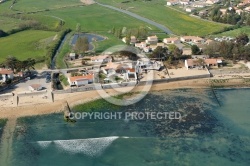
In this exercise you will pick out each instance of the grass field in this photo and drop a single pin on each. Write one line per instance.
(96, 18)
(27, 44)
(35, 5)
(177, 22)
(236, 32)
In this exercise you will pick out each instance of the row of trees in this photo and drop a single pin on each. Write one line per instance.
(17, 65)
(139, 33)
(230, 17)
(235, 50)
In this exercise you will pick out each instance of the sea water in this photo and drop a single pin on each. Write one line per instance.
(212, 132)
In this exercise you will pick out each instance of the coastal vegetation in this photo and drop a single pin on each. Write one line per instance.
(2, 124)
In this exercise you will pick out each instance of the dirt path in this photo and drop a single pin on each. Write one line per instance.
(7, 138)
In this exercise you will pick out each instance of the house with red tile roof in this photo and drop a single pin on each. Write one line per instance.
(81, 80)
(6, 74)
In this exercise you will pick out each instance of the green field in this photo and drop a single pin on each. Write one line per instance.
(96, 18)
(26, 44)
(177, 22)
(36, 5)
(236, 32)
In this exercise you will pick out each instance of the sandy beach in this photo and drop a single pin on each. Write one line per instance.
(38, 108)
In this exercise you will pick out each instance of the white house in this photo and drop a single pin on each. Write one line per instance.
(35, 87)
(130, 74)
(194, 39)
(172, 2)
(133, 40)
(184, 2)
(6, 74)
(171, 40)
(189, 9)
(199, 5)
(140, 45)
(152, 39)
(72, 56)
(81, 80)
(101, 59)
(212, 1)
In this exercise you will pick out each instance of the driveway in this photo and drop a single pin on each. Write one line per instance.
(39, 79)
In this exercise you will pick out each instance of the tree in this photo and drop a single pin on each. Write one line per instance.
(195, 50)
(211, 49)
(159, 52)
(242, 39)
(78, 28)
(177, 52)
(225, 49)
(171, 48)
(82, 45)
(2, 33)
(12, 62)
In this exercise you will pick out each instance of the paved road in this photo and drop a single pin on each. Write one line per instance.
(160, 26)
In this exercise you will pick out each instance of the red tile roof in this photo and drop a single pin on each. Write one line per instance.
(5, 71)
(87, 77)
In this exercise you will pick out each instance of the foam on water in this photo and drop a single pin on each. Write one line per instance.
(44, 144)
(91, 146)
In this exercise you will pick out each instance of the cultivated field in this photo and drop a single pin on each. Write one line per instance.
(27, 44)
(177, 22)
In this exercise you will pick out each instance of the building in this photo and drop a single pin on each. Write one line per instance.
(133, 40)
(152, 40)
(194, 39)
(199, 4)
(35, 87)
(184, 2)
(193, 63)
(72, 56)
(141, 45)
(81, 80)
(190, 9)
(213, 62)
(172, 2)
(172, 40)
(101, 59)
(6, 74)
(130, 74)
(211, 2)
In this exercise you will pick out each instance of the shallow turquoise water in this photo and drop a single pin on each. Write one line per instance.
(210, 135)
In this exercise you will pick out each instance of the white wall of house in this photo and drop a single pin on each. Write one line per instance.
(7, 76)
(82, 82)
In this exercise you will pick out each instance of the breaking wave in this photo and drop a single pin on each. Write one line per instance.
(91, 146)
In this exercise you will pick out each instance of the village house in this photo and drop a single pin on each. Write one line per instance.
(213, 62)
(172, 2)
(141, 45)
(198, 4)
(189, 9)
(35, 87)
(198, 63)
(6, 74)
(194, 39)
(133, 40)
(211, 2)
(81, 80)
(192, 63)
(101, 59)
(152, 40)
(184, 2)
(72, 56)
(243, 3)
(171, 40)
(130, 74)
